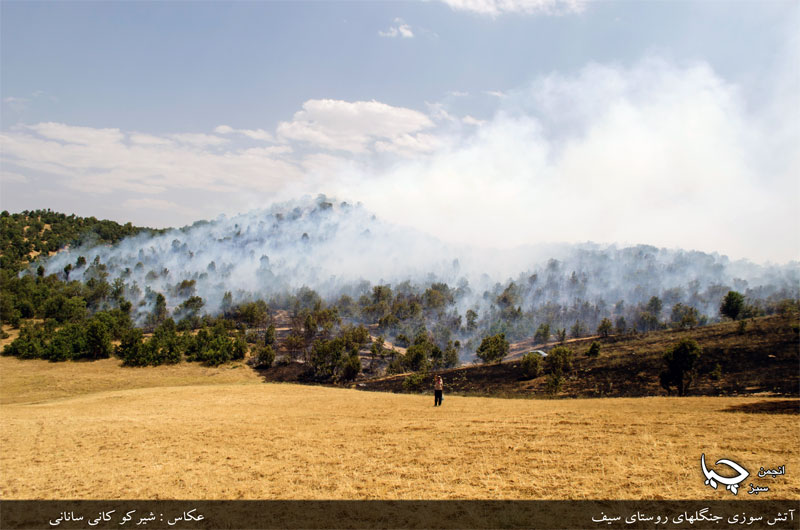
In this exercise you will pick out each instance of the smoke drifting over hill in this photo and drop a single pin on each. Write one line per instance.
(336, 249)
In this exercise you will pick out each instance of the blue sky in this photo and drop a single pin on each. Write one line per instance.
(500, 123)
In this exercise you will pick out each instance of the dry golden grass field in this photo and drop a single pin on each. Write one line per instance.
(100, 431)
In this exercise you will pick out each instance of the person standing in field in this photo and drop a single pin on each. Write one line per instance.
(438, 386)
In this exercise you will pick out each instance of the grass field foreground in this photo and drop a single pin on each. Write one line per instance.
(240, 440)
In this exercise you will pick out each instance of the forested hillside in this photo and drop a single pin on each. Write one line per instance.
(332, 286)
(26, 235)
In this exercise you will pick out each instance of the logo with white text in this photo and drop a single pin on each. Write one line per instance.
(714, 479)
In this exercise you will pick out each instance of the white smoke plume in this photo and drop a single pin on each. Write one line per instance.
(338, 248)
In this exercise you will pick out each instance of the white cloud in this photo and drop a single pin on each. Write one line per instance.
(21, 104)
(438, 111)
(469, 120)
(8, 177)
(400, 29)
(494, 8)
(16, 104)
(253, 134)
(98, 161)
(655, 153)
(199, 139)
(409, 145)
(149, 139)
(323, 166)
(352, 126)
(111, 162)
(257, 134)
(496, 93)
(76, 135)
(152, 204)
(272, 150)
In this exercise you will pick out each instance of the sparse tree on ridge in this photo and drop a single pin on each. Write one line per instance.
(493, 349)
(451, 354)
(542, 333)
(376, 351)
(559, 360)
(604, 328)
(532, 365)
(654, 306)
(265, 356)
(269, 336)
(732, 305)
(294, 344)
(684, 316)
(680, 363)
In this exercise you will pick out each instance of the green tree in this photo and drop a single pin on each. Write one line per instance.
(493, 348)
(532, 365)
(654, 306)
(355, 337)
(732, 305)
(227, 302)
(376, 351)
(68, 343)
(415, 382)
(416, 357)
(683, 316)
(65, 309)
(451, 354)
(472, 318)
(159, 313)
(269, 336)
(542, 333)
(679, 363)
(326, 357)
(98, 339)
(554, 383)
(647, 321)
(559, 360)
(130, 348)
(165, 346)
(294, 344)
(594, 349)
(265, 356)
(29, 344)
(604, 328)
(192, 305)
(350, 366)
(309, 328)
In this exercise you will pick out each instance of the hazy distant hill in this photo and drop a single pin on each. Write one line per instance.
(28, 234)
(321, 252)
(330, 246)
